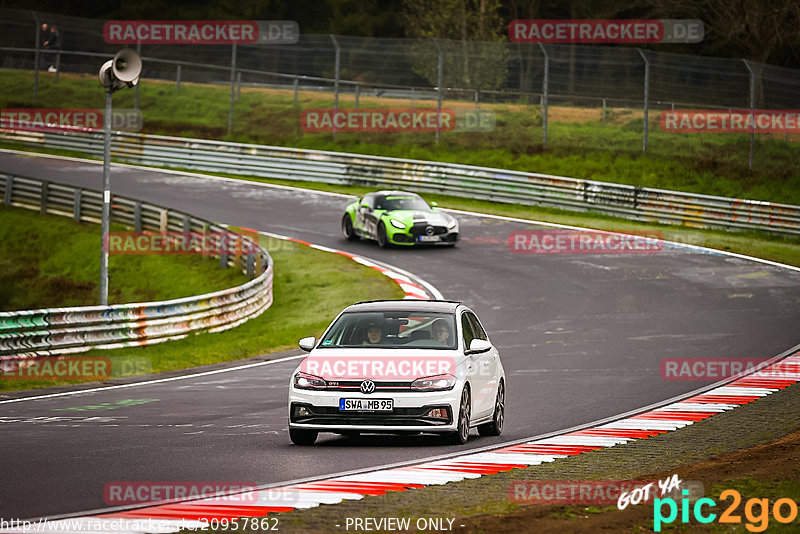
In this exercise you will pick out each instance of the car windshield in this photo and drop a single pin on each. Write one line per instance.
(396, 202)
(392, 330)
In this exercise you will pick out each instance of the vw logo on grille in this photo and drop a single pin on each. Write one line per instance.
(367, 386)
(429, 230)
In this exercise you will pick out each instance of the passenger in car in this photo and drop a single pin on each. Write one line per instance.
(374, 333)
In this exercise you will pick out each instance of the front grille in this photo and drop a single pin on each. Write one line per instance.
(420, 229)
(380, 387)
(331, 415)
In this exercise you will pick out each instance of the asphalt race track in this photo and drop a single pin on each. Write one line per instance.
(581, 338)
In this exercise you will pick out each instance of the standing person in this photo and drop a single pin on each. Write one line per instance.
(51, 40)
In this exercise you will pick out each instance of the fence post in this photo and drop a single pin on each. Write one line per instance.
(44, 194)
(178, 79)
(76, 204)
(752, 112)
(36, 55)
(136, 89)
(476, 98)
(358, 92)
(9, 189)
(439, 89)
(604, 111)
(296, 80)
(58, 63)
(336, 80)
(137, 217)
(545, 94)
(251, 265)
(239, 84)
(646, 97)
(233, 87)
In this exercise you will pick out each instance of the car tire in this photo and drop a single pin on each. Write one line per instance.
(347, 228)
(460, 436)
(383, 239)
(495, 428)
(303, 437)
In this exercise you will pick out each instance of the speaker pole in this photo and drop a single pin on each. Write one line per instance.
(106, 198)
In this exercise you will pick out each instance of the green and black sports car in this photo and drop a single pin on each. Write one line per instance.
(398, 218)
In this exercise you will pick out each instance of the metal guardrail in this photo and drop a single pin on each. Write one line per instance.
(67, 330)
(637, 203)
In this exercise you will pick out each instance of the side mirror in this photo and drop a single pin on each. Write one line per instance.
(364, 204)
(307, 343)
(434, 204)
(477, 346)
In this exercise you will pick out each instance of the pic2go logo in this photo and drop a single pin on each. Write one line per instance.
(757, 521)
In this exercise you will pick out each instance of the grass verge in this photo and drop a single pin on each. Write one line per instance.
(49, 261)
(309, 288)
(579, 143)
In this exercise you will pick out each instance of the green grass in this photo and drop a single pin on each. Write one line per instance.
(310, 287)
(51, 261)
(701, 163)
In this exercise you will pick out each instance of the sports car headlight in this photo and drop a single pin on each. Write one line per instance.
(307, 381)
(452, 224)
(397, 224)
(434, 383)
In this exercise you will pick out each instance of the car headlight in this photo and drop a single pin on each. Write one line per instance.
(452, 224)
(307, 381)
(434, 383)
(397, 224)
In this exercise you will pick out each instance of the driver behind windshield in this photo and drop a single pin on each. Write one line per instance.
(440, 332)
(374, 333)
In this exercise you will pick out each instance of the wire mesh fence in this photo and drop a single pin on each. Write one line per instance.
(559, 83)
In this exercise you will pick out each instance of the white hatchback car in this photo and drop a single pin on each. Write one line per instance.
(399, 366)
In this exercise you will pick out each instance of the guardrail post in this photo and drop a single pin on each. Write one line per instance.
(44, 194)
(545, 94)
(752, 112)
(178, 79)
(251, 264)
(259, 264)
(223, 260)
(187, 223)
(646, 97)
(233, 87)
(439, 89)
(9, 190)
(137, 216)
(136, 89)
(162, 221)
(76, 204)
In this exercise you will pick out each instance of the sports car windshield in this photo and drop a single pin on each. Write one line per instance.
(392, 203)
(392, 330)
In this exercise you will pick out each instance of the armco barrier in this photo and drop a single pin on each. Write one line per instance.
(65, 330)
(637, 203)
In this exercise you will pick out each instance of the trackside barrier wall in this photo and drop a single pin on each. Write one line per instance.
(56, 331)
(637, 203)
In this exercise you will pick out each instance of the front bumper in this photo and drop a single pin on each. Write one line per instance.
(410, 413)
(402, 238)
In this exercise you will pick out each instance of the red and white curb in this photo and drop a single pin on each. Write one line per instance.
(172, 517)
(410, 284)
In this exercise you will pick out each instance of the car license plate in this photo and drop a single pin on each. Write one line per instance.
(427, 238)
(366, 405)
